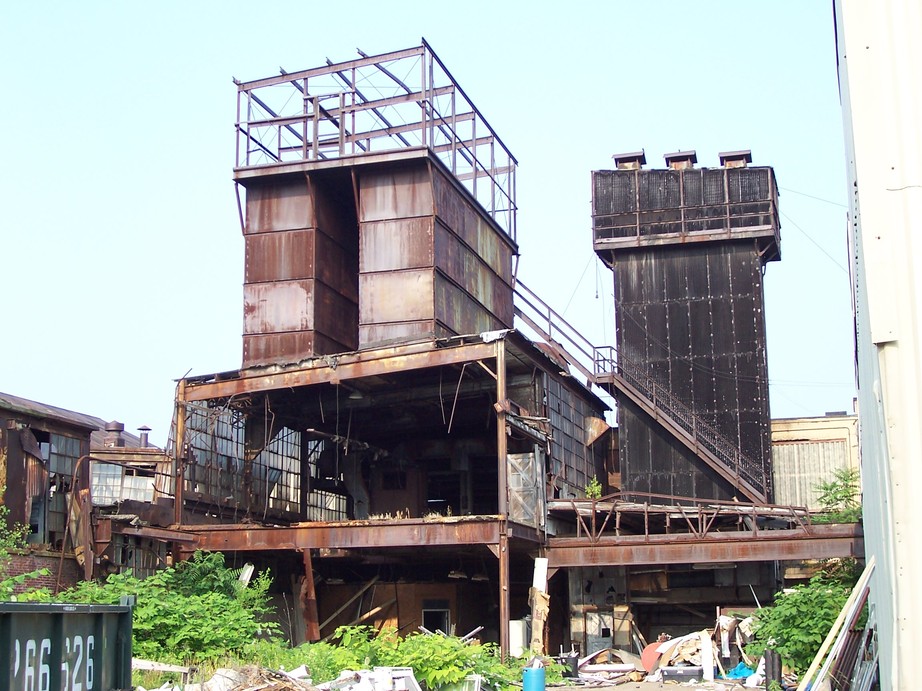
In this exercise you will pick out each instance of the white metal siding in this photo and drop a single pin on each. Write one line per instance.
(799, 466)
(879, 57)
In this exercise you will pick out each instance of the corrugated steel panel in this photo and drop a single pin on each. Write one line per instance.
(289, 347)
(457, 212)
(303, 305)
(799, 466)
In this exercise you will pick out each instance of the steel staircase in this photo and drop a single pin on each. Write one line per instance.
(616, 374)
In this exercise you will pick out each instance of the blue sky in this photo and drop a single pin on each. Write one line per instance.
(122, 259)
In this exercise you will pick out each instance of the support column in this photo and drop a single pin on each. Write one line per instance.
(179, 452)
(309, 601)
(503, 498)
(501, 447)
(504, 593)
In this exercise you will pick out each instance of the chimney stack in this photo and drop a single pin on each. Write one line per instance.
(633, 160)
(681, 160)
(144, 429)
(113, 438)
(735, 159)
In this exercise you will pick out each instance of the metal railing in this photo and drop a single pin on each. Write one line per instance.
(375, 104)
(604, 366)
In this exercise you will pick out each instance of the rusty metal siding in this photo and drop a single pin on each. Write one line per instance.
(395, 193)
(459, 263)
(687, 248)
(395, 296)
(294, 254)
(421, 276)
(288, 347)
(571, 460)
(396, 244)
(459, 311)
(301, 270)
(281, 205)
(635, 208)
(474, 229)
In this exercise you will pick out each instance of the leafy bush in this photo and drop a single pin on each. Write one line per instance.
(840, 498)
(436, 660)
(193, 612)
(12, 538)
(798, 621)
(594, 488)
(324, 660)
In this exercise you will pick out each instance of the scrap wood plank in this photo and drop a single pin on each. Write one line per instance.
(350, 601)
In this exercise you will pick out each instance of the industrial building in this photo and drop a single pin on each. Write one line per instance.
(411, 426)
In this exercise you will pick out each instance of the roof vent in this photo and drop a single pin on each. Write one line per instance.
(633, 160)
(113, 437)
(144, 430)
(735, 159)
(681, 160)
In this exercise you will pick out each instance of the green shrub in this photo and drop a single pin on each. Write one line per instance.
(798, 621)
(192, 613)
(840, 498)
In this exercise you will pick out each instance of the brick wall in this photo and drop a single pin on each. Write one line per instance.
(25, 562)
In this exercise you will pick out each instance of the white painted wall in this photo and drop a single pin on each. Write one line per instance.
(880, 54)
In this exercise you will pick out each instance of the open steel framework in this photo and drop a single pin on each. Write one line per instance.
(401, 100)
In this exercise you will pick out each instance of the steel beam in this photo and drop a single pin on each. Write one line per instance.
(822, 542)
(336, 369)
(356, 535)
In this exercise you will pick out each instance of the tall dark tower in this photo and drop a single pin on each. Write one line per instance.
(688, 247)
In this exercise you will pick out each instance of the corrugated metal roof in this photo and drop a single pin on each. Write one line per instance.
(42, 410)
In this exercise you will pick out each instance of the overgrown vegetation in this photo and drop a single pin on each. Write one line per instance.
(436, 660)
(192, 613)
(594, 488)
(12, 538)
(798, 621)
(840, 498)
(198, 613)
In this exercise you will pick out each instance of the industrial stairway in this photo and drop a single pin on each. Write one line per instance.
(616, 374)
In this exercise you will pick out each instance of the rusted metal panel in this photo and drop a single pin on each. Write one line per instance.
(278, 307)
(636, 208)
(457, 212)
(406, 331)
(364, 534)
(281, 205)
(459, 311)
(294, 254)
(396, 244)
(301, 305)
(823, 541)
(390, 193)
(294, 346)
(692, 319)
(459, 263)
(396, 296)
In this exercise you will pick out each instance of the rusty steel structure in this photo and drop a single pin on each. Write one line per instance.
(410, 425)
(687, 247)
